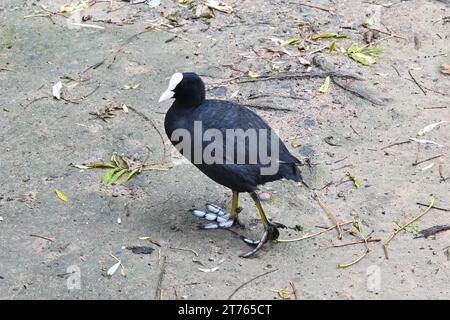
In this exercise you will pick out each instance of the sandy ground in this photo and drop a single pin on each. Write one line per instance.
(41, 137)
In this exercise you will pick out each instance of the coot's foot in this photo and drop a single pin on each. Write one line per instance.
(217, 217)
(270, 233)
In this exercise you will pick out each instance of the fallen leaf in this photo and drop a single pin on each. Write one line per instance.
(325, 86)
(290, 41)
(303, 61)
(428, 167)
(56, 90)
(153, 3)
(430, 127)
(413, 229)
(219, 6)
(129, 176)
(355, 180)
(332, 46)
(445, 68)
(208, 270)
(61, 195)
(113, 269)
(108, 176)
(253, 74)
(141, 249)
(117, 176)
(295, 143)
(365, 55)
(329, 35)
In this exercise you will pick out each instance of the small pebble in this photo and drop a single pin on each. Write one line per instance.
(264, 196)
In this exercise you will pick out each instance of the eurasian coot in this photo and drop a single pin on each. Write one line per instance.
(230, 144)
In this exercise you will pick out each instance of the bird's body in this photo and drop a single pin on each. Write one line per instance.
(224, 115)
(230, 144)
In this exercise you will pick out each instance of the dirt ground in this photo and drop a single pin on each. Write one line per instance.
(55, 249)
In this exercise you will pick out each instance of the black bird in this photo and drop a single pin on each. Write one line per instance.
(241, 163)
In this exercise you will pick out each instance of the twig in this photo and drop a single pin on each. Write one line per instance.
(396, 70)
(294, 290)
(417, 83)
(156, 243)
(330, 214)
(441, 173)
(396, 144)
(349, 244)
(433, 207)
(307, 236)
(35, 100)
(386, 243)
(154, 127)
(358, 92)
(45, 238)
(425, 160)
(178, 296)
(184, 249)
(78, 100)
(366, 245)
(330, 11)
(247, 282)
(301, 75)
(267, 108)
(387, 32)
(7, 69)
(159, 291)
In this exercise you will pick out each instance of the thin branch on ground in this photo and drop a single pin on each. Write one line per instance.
(386, 243)
(247, 282)
(330, 214)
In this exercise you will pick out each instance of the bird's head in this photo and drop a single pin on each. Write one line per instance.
(187, 88)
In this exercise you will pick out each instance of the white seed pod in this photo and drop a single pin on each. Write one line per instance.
(210, 226)
(210, 216)
(213, 208)
(224, 218)
(226, 224)
(198, 213)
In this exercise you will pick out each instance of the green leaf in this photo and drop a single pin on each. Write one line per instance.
(108, 176)
(325, 86)
(355, 181)
(370, 21)
(295, 143)
(117, 176)
(96, 165)
(129, 176)
(297, 228)
(119, 161)
(413, 229)
(290, 41)
(332, 46)
(365, 55)
(61, 195)
(329, 35)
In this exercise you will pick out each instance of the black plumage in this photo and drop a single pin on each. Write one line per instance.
(190, 106)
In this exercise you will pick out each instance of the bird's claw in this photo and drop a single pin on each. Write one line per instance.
(270, 233)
